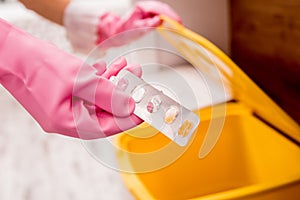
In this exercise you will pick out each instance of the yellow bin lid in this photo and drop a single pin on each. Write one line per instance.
(243, 89)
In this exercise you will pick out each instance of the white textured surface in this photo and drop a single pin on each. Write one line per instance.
(39, 166)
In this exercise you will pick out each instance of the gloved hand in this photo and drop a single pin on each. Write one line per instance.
(145, 14)
(87, 27)
(141, 18)
(62, 93)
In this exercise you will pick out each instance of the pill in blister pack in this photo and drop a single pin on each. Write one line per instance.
(159, 110)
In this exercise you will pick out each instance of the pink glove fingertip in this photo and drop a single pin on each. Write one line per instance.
(135, 69)
(100, 66)
(115, 67)
(122, 107)
(106, 27)
(155, 8)
(113, 100)
(153, 22)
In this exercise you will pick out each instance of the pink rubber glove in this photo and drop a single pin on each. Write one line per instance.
(63, 96)
(144, 15)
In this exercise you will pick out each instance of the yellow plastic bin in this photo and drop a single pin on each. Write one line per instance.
(256, 157)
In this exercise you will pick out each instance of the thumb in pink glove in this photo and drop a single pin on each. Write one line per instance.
(108, 123)
(144, 15)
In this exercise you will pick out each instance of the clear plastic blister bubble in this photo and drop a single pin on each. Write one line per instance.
(162, 112)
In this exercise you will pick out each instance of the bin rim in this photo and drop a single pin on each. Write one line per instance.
(244, 89)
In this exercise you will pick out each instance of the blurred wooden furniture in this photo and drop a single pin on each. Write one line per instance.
(266, 45)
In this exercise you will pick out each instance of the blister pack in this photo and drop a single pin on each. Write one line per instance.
(159, 110)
